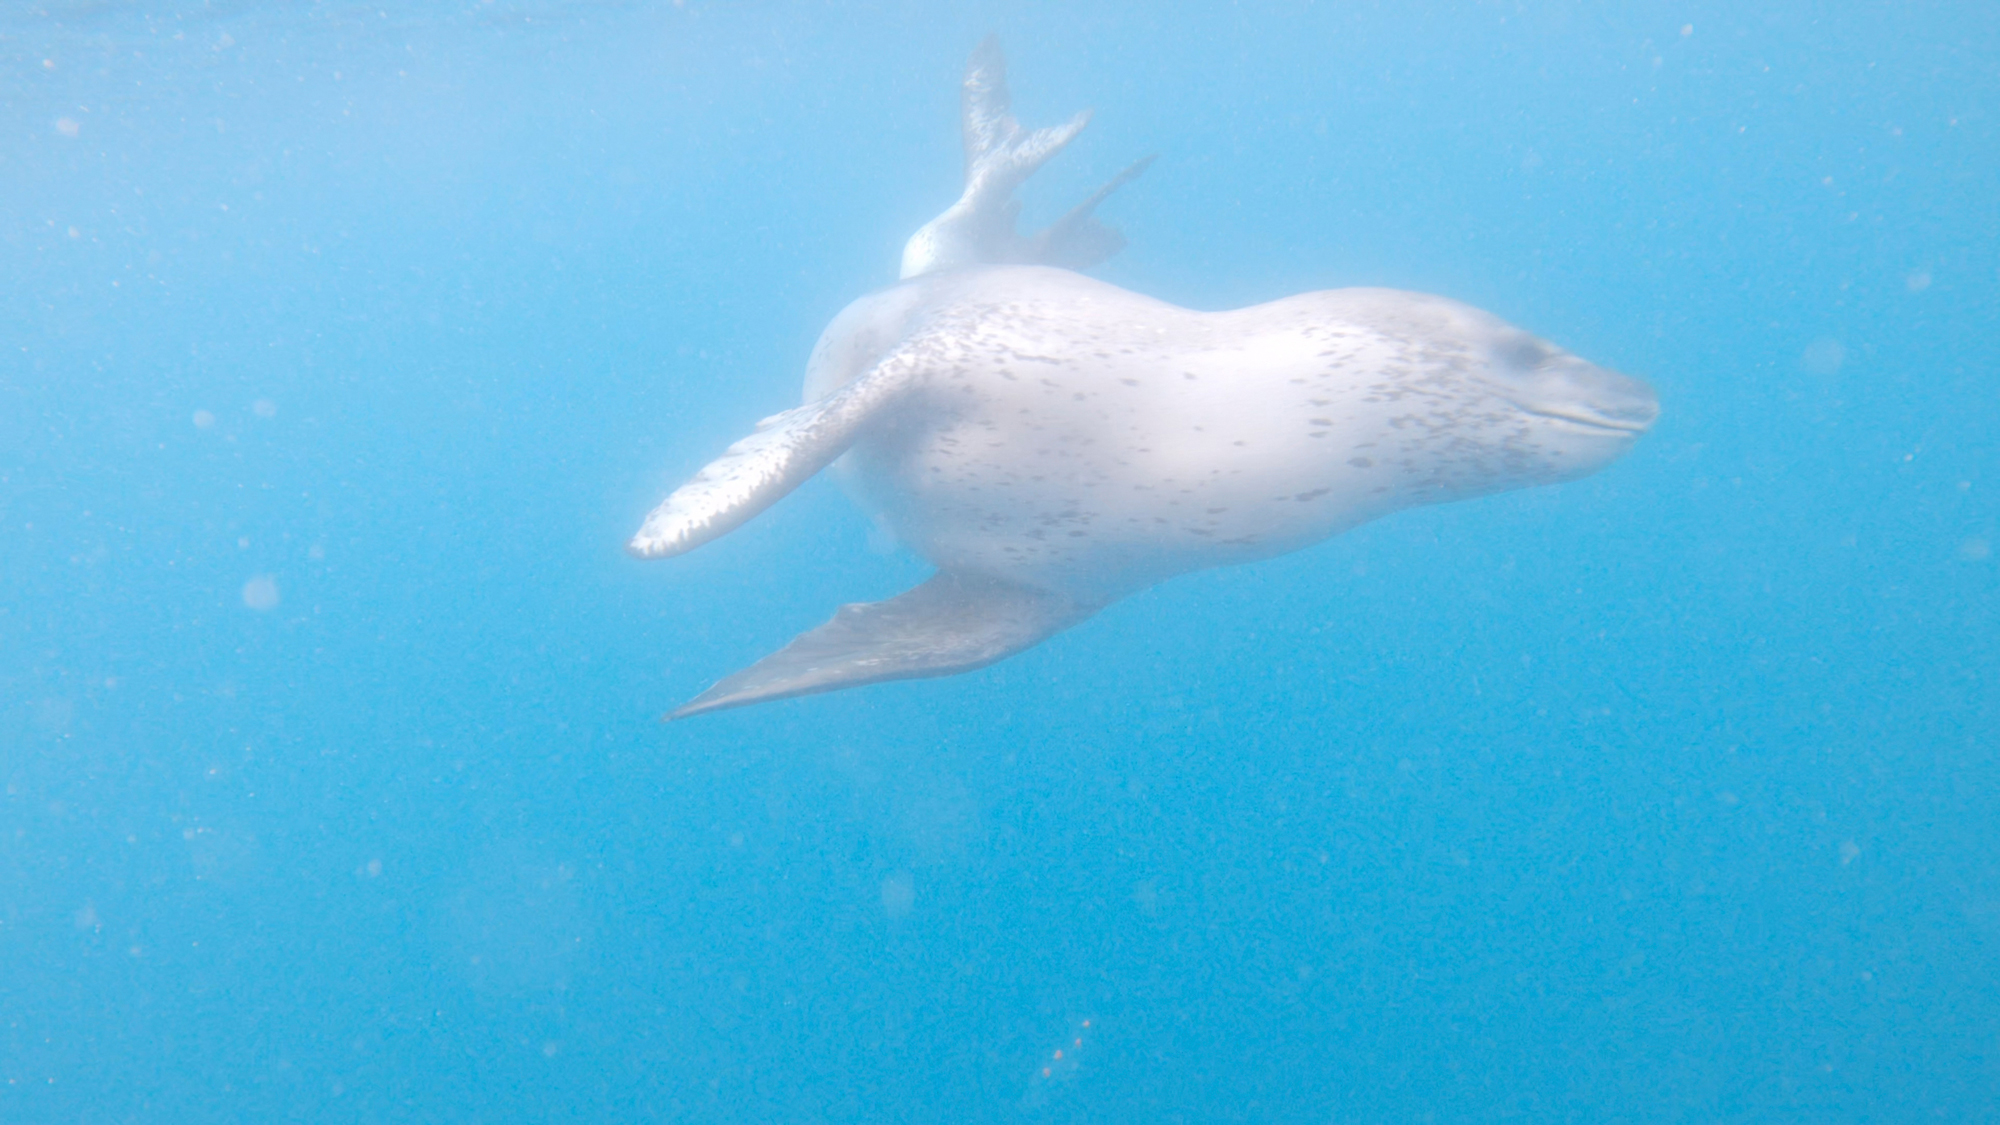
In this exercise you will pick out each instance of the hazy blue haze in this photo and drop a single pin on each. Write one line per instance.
(1666, 796)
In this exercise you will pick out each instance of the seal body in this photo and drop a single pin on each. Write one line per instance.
(1073, 436)
(1053, 443)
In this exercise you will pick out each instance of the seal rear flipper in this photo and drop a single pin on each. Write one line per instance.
(978, 230)
(757, 471)
(952, 623)
(1079, 240)
(999, 154)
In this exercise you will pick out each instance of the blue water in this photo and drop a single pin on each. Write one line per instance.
(1669, 795)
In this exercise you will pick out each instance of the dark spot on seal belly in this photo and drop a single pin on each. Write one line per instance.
(1130, 382)
(1079, 534)
(1217, 511)
(1313, 495)
(1189, 375)
(1361, 462)
(1319, 421)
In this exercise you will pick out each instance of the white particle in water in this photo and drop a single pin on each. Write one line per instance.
(1823, 356)
(899, 894)
(261, 593)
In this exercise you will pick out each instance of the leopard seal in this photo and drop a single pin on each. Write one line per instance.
(1052, 442)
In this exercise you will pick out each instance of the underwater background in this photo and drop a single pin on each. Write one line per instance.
(342, 346)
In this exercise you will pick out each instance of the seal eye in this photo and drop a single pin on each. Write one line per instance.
(1526, 353)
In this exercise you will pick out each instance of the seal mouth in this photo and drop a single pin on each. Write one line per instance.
(1596, 423)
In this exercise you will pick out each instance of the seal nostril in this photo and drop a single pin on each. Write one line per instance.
(1631, 401)
(1643, 412)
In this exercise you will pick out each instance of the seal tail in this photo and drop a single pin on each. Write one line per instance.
(978, 230)
(999, 154)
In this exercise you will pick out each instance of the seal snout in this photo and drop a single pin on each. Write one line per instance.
(1591, 397)
(1624, 403)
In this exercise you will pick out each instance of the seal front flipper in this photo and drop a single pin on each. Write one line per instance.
(952, 623)
(757, 471)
